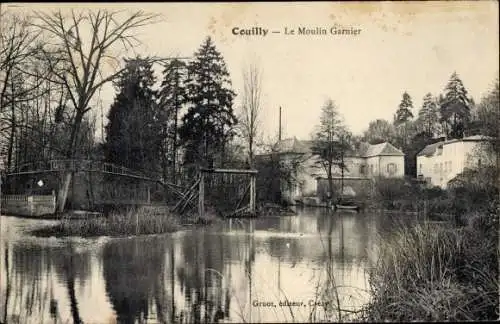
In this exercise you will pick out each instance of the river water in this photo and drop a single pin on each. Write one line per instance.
(280, 269)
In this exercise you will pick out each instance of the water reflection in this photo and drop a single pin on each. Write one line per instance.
(204, 275)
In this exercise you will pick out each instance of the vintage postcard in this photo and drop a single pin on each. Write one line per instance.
(249, 162)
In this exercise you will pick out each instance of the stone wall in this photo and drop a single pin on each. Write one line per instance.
(25, 205)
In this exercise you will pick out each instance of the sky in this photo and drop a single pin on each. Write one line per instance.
(412, 47)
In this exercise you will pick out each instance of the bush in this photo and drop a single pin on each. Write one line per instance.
(397, 194)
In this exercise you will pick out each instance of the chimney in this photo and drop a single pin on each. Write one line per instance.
(279, 125)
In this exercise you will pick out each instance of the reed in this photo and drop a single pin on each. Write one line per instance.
(437, 273)
(131, 222)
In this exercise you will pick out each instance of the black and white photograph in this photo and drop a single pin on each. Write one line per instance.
(249, 162)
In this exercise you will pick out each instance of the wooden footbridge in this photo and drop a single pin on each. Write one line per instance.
(187, 196)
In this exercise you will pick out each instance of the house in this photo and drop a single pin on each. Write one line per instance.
(440, 162)
(364, 162)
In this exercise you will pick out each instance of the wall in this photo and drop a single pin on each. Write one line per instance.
(372, 166)
(447, 163)
(25, 205)
(399, 163)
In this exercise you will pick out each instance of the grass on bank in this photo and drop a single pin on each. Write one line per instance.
(437, 273)
(131, 222)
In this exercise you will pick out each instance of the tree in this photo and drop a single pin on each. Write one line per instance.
(331, 141)
(489, 118)
(455, 107)
(172, 96)
(78, 47)
(403, 121)
(404, 114)
(251, 107)
(428, 116)
(132, 132)
(19, 43)
(19, 82)
(209, 122)
(379, 131)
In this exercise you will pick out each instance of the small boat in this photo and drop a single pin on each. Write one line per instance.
(347, 207)
(347, 200)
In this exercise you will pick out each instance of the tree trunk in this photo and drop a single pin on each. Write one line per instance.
(71, 153)
(63, 190)
(330, 184)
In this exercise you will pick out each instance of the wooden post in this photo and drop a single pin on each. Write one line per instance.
(252, 193)
(201, 195)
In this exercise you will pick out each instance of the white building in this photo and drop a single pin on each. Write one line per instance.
(365, 162)
(440, 162)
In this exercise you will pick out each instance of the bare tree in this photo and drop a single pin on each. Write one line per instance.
(331, 142)
(251, 107)
(17, 45)
(79, 48)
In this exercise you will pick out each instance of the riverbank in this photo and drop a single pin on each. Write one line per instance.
(140, 221)
(437, 273)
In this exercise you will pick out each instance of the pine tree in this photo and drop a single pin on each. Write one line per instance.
(428, 115)
(404, 114)
(208, 123)
(132, 132)
(455, 107)
(172, 96)
(403, 121)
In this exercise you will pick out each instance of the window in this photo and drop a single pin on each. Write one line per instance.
(391, 168)
(420, 168)
(371, 168)
(479, 163)
(362, 169)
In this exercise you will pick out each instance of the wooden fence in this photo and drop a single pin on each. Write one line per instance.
(28, 205)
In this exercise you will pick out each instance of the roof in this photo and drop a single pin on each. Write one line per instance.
(382, 149)
(293, 145)
(430, 149)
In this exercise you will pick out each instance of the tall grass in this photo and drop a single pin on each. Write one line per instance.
(130, 222)
(437, 273)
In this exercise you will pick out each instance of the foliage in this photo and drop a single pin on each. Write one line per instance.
(172, 96)
(434, 273)
(132, 222)
(379, 131)
(489, 117)
(473, 190)
(404, 113)
(455, 107)
(428, 116)
(132, 132)
(389, 191)
(331, 141)
(209, 121)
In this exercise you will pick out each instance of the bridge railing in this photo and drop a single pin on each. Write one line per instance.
(77, 165)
